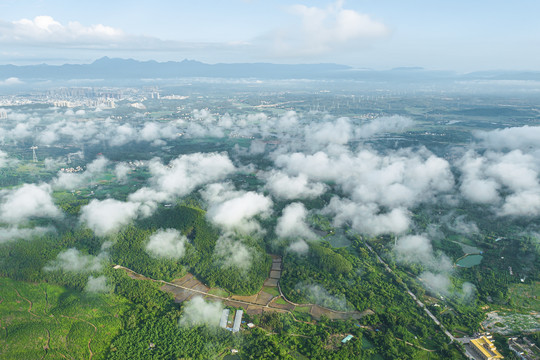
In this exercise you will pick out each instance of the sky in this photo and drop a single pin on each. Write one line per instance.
(377, 34)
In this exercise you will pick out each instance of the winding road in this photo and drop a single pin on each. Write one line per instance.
(241, 302)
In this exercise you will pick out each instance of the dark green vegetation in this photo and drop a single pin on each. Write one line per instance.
(135, 314)
(366, 285)
(129, 251)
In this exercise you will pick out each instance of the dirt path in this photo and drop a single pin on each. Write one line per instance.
(416, 346)
(30, 304)
(47, 345)
(268, 306)
(46, 302)
(90, 340)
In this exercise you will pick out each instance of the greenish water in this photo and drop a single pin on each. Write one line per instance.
(468, 249)
(470, 261)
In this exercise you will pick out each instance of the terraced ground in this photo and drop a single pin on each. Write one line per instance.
(42, 321)
(268, 299)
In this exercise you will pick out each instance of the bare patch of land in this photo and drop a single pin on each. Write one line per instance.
(188, 286)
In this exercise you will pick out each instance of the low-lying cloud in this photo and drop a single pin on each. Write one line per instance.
(28, 201)
(292, 223)
(72, 260)
(198, 311)
(234, 210)
(108, 216)
(168, 243)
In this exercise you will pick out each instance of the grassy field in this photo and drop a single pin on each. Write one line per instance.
(42, 320)
(218, 292)
(525, 296)
(271, 290)
(280, 301)
(304, 309)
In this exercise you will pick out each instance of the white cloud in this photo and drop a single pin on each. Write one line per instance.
(316, 294)
(108, 216)
(292, 223)
(183, 174)
(367, 218)
(10, 81)
(321, 134)
(4, 159)
(121, 135)
(511, 138)
(168, 243)
(28, 201)
(21, 131)
(462, 226)
(437, 283)
(287, 121)
(72, 181)
(399, 179)
(45, 30)
(97, 284)
(323, 30)
(383, 124)
(292, 187)
(299, 246)
(234, 210)
(14, 233)
(121, 171)
(198, 312)
(231, 252)
(380, 187)
(73, 260)
(509, 181)
(523, 203)
(418, 249)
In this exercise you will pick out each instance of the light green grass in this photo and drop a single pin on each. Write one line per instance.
(271, 290)
(218, 292)
(280, 301)
(68, 321)
(526, 296)
(303, 309)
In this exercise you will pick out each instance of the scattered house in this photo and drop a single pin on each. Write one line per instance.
(224, 318)
(347, 339)
(234, 351)
(237, 320)
(251, 325)
(523, 348)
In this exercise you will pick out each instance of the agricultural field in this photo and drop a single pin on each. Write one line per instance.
(526, 296)
(42, 320)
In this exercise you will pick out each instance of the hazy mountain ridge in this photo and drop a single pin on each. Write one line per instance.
(116, 68)
(128, 68)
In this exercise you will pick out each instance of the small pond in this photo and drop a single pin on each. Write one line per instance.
(470, 261)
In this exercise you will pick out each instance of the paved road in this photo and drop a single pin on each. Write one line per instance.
(419, 303)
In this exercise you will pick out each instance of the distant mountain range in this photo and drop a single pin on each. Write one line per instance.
(107, 68)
